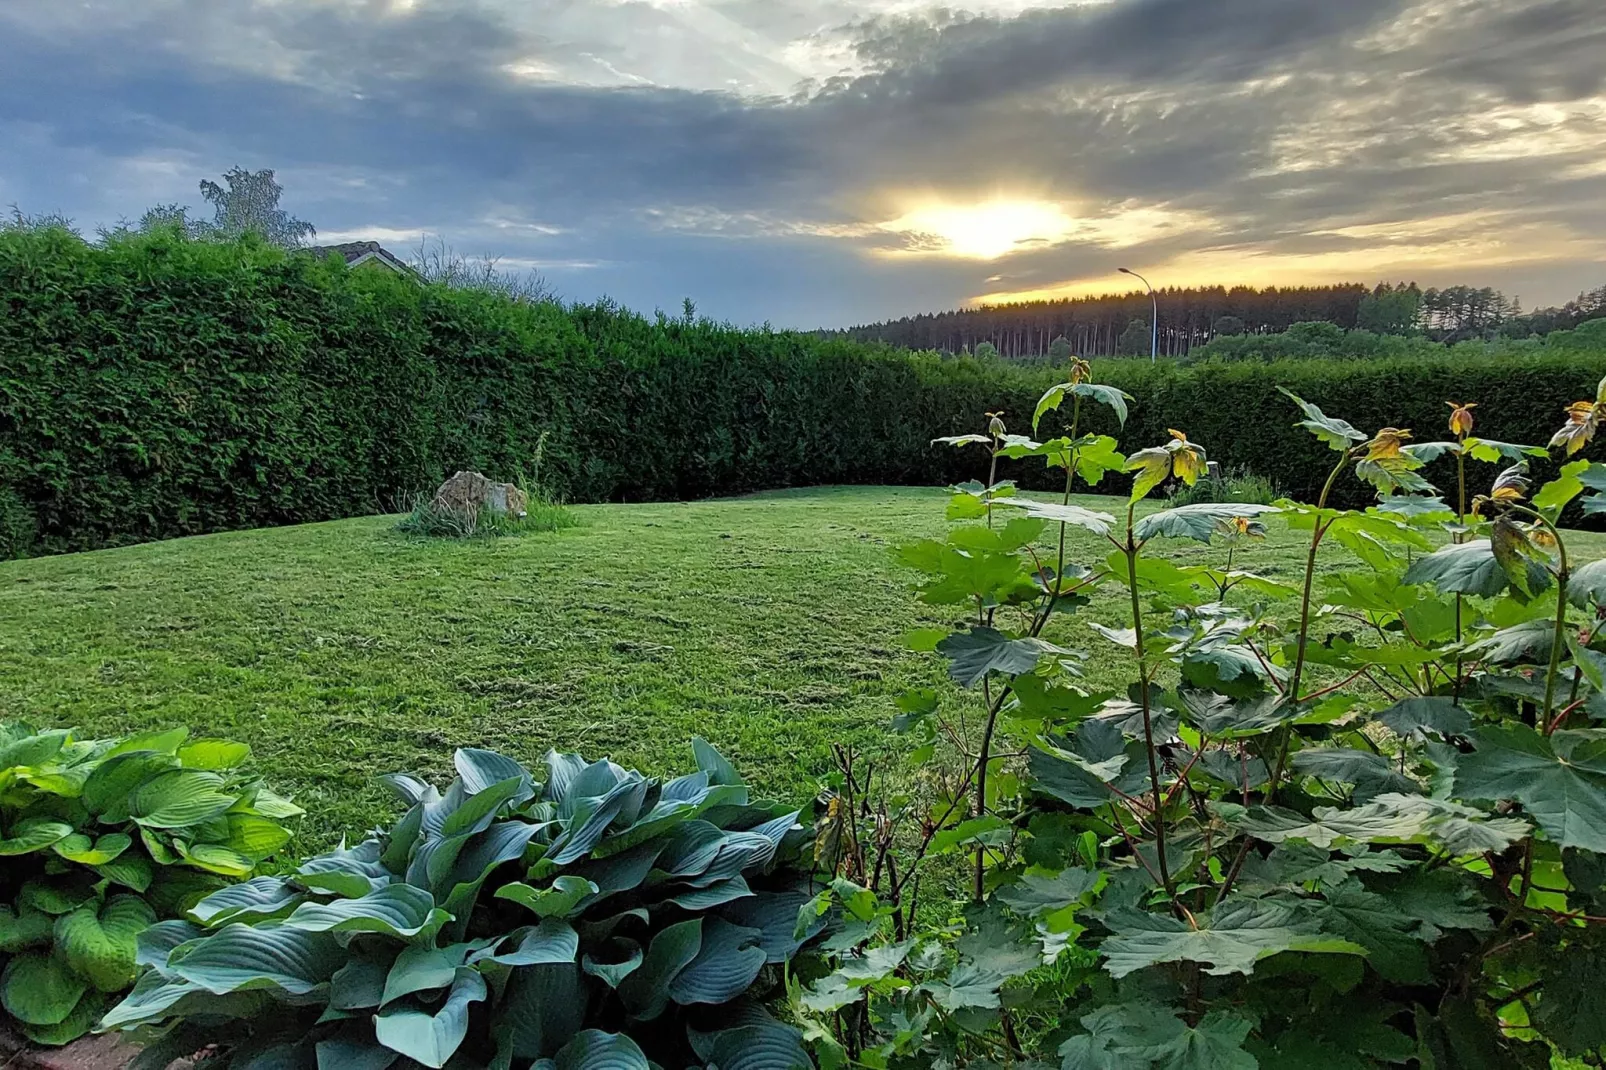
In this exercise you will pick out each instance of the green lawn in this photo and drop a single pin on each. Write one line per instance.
(770, 625)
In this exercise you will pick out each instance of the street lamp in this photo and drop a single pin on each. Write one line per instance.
(1154, 338)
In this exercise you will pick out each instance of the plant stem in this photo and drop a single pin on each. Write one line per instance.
(983, 760)
(1143, 691)
(992, 478)
(1461, 517)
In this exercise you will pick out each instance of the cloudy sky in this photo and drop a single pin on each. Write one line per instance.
(826, 162)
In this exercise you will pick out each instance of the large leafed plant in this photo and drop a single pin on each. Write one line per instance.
(100, 838)
(1354, 821)
(593, 919)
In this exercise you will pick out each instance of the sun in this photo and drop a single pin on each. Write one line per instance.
(984, 231)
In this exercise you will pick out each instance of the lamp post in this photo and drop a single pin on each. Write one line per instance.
(1154, 336)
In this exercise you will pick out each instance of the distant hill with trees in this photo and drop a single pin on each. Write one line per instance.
(1118, 324)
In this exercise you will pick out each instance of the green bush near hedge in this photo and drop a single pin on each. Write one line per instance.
(152, 386)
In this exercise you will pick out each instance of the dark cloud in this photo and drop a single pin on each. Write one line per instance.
(1263, 125)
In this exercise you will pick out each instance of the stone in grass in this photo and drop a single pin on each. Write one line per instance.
(470, 492)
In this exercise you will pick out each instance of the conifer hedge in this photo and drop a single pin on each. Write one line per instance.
(152, 386)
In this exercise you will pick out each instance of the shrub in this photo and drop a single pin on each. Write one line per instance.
(102, 837)
(156, 386)
(1233, 863)
(600, 918)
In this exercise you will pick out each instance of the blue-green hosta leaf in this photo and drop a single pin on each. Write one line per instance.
(690, 848)
(645, 993)
(557, 901)
(577, 840)
(24, 928)
(79, 848)
(542, 1009)
(1073, 515)
(100, 942)
(974, 654)
(33, 834)
(398, 910)
(482, 769)
(595, 1050)
(352, 1047)
(741, 852)
(504, 842)
(1417, 717)
(269, 955)
(775, 915)
(624, 957)
(726, 964)
(1470, 568)
(1196, 522)
(39, 989)
(700, 899)
(681, 800)
(156, 942)
(180, 799)
(1230, 939)
(349, 873)
(621, 872)
(428, 1038)
(423, 968)
(410, 789)
(713, 763)
(758, 1046)
(1559, 779)
(552, 942)
(252, 900)
(476, 812)
(1337, 434)
(360, 983)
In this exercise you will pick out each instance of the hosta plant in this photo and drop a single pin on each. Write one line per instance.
(1357, 821)
(100, 838)
(589, 917)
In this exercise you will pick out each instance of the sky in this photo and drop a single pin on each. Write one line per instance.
(815, 163)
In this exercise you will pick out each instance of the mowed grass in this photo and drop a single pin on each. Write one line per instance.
(770, 625)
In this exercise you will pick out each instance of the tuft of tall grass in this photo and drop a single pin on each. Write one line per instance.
(1237, 484)
(431, 521)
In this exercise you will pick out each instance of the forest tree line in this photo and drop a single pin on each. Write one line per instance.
(1117, 324)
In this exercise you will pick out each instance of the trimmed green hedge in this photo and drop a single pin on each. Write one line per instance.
(152, 387)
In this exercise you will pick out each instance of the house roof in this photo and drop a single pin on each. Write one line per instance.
(360, 252)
